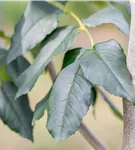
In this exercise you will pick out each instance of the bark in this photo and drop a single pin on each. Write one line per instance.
(128, 108)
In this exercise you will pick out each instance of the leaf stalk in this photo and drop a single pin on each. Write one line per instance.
(78, 20)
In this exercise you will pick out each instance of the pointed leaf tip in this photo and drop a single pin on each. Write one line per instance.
(106, 66)
(44, 18)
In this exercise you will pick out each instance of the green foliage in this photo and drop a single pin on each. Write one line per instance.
(16, 67)
(93, 96)
(74, 89)
(2, 35)
(16, 114)
(3, 55)
(124, 7)
(73, 55)
(28, 33)
(105, 65)
(108, 15)
(67, 108)
(63, 2)
(40, 108)
(57, 42)
(4, 76)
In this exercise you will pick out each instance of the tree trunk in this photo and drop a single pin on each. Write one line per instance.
(128, 108)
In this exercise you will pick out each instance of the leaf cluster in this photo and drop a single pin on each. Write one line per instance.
(83, 70)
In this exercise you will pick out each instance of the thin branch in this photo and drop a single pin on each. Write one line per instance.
(91, 138)
(85, 132)
(52, 71)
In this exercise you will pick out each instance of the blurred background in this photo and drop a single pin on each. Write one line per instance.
(107, 127)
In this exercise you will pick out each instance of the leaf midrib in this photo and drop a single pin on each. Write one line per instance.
(100, 57)
(67, 99)
(52, 53)
(22, 38)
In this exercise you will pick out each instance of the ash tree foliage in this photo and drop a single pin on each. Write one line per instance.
(83, 70)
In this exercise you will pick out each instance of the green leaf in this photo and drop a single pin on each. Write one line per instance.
(2, 35)
(57, 42)
(16, 67)
(68, 102)
(3, 56)
(114, 109)
(105, 65)
(16, 114)
(93, 100)
(71, 56)
(4, 76)
(63, 2)
(40, 108)
(123, 6)
(39, 20)
(108, 15)
(35, 51)
(93, 96)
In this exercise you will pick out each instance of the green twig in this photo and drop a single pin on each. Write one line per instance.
(78, 20)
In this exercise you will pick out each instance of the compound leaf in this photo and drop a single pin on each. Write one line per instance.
(105, 65)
